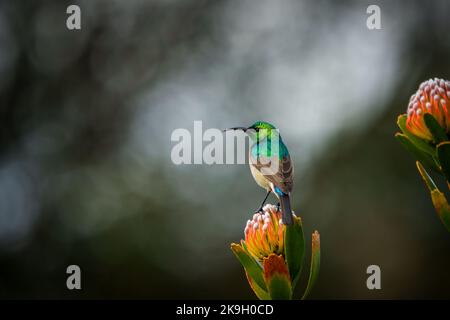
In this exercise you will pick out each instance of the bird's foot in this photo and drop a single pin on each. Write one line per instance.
(278, 207)
(260, 210)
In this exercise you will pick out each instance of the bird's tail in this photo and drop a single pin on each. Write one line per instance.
(286, 211)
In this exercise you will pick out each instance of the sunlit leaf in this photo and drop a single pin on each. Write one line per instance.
(426, 177)
(439, 201)
(442, 207)
(315, 264)
(419, 143)
(252, 268)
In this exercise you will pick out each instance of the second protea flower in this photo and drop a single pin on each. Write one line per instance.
(425, 133)
(432, 97)
(272, 254)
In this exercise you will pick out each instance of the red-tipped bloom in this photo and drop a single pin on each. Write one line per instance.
(264, 234)
(272, 254)
(433, 96)
(426, 135)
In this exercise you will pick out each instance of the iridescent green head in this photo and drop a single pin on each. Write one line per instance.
(261, 130)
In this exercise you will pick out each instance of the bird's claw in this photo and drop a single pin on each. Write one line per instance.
(260, 210)
(278, 207)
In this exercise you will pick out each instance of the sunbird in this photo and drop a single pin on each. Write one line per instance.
(271, 165)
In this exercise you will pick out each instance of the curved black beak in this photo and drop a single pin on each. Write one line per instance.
(236, 128)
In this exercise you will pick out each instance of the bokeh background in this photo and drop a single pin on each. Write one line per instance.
(86, 118)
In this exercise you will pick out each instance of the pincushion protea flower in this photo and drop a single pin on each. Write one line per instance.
(264, 234)
(272, 254)
(425, 128)
(432, 97)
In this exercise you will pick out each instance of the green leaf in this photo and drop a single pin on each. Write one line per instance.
(419, 143)
(443, 153)
(435, 128)
(294, 243)
(260, 293)
(420, 155)
(437, 197)
(252, 268)
(426, 177)
(279, 288)
(442, 207)
(315, 264)
(277, 277)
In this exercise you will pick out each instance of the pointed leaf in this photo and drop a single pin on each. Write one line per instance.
(277, 277)
(252, 268)
(442, 207)
(315, 263)
(419, 154)
(260, 293)
(435, 128)
(439, 201)
(419, 143)
(426, 177)
(443, 153)
(294, 243)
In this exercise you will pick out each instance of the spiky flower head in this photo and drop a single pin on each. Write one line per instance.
(425, 133)
(264, 233)
(272, 254)
(433, 97)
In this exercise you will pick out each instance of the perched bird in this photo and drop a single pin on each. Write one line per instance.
(270, 164)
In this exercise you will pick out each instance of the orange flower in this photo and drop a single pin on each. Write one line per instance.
(264, 233)
(426, 135)
(272, 254)
(433, 96)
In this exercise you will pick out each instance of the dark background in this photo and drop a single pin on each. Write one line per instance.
(86, 118)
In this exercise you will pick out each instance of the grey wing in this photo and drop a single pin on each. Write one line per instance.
(280, 174)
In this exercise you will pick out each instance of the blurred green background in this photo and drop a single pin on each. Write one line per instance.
(86, 118)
